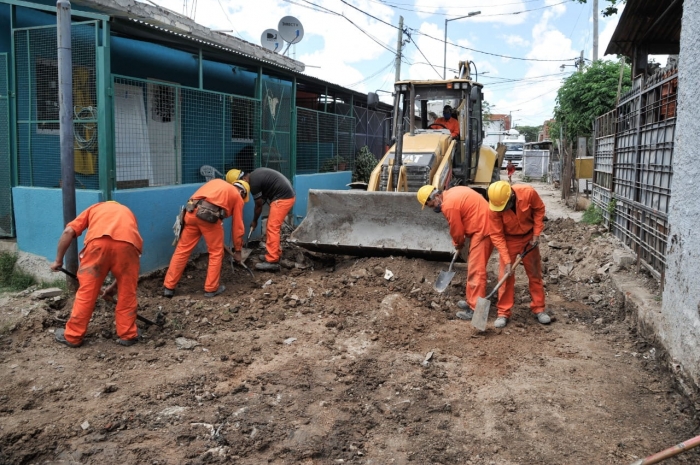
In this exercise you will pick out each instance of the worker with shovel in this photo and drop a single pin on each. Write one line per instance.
(516, 223)
(467, 213)
(205, 211)
(112, 243)
(268, 185)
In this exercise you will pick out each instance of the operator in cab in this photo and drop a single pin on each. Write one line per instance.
(450, 123)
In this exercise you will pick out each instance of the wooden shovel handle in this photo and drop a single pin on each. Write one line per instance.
(518, 259)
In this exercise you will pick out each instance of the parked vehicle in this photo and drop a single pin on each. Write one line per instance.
(515, 143)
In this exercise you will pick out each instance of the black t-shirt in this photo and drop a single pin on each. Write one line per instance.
(270, 185)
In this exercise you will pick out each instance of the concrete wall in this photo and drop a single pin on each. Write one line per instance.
(304, 182)
(678, 325)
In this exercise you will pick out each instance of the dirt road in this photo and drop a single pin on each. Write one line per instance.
(329, 364)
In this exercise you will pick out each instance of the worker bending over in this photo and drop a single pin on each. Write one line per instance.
(268, 185)
(467, 213)
(205, 211)
(517, 221)
(112, 243)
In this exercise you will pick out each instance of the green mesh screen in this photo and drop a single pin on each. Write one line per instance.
(164, 133)
(325, 142)
(38, 129)
(6, 224)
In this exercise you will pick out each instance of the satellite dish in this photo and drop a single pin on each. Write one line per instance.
(271, 40)
(291, 29)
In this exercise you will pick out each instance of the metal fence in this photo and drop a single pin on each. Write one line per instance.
(164, 133)
(634, 166)
(371, 129)
(535, 163)
(325, 142)
(7, 228)
(38, 146)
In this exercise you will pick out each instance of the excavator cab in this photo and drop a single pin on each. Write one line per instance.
(387, 219)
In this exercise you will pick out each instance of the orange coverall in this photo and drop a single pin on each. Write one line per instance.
(278, 212)
(510, 233)
(225, 196)
(452, 124)
(112, 243)
(467, 212)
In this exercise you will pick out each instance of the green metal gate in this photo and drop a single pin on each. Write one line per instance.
(7, 227)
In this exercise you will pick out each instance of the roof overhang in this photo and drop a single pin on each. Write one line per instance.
(650, 24)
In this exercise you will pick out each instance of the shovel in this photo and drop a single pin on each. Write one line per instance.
(444, 278)
(245, 252)
(243, 265)
(483, 304)
(160, 319)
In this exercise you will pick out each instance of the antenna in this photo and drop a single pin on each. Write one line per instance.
(291, 30)
(271, 40)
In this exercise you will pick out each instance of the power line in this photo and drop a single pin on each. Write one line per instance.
(481, 16)
(229, 20)
(383, 2)
(422, 54)
(389, 65)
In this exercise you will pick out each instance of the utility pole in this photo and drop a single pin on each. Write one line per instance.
(580, 63)
(399, 44)
(595, 30)
(65, 112)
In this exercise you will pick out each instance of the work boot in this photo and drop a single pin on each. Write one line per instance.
(262, 258)
(465, 313)
(169, 293)
(267, 266)
(60, 336)
(500, 322)
(543, 318)
(221, 289)
(130, 342)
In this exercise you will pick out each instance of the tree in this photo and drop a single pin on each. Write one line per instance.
(611, 9)
(587, 95)
(530, 132)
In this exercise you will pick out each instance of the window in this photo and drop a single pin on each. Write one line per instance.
(47, 96)
(242, 119)
(163, 106)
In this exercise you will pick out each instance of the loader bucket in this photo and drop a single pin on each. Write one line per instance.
(372, 224)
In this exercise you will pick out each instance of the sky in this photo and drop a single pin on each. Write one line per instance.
(518, 46)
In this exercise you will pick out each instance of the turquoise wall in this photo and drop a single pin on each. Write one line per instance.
(304, 182)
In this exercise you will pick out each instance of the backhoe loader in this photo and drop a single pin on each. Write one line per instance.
(386, 219)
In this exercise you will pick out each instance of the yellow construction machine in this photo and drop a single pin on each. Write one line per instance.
(386, 218)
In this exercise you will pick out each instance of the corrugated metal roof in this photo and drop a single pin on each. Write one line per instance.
(654, 23)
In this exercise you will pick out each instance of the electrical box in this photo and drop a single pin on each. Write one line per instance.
(584, 167)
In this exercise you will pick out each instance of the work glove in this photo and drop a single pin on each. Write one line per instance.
(253, 224)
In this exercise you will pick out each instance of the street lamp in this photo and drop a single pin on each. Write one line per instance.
(510, 117)
(444, 66)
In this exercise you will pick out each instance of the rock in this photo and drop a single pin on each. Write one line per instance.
(185, 344)
(47, 293)
(110, 387)
(287, 264)
(428, 356)
(622, 258)
(388, 274)
(595, 298)
(604, 269)
(565, 270)
(598, 321)
(267, 283)
(595, 278)
(553, 278)
(289, 340)
(558, 245)
(378, 270)
(360, 273)
(435, 305)
(85, 425)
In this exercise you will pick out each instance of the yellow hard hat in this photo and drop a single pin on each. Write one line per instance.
(233, 175)
(243, 185)
(424, 194)
(499, 194)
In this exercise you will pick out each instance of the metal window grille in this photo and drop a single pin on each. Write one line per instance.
(276, 130)
(164, 133)
(635, 176)
(38, 131)
(6, 221)
(371, 130)
(325, 142)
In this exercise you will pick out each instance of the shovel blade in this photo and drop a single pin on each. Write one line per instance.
(245, 253)
(443, 280)
(481, 313)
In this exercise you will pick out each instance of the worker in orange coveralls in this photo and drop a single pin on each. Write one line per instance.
(467, 213)
(449, 123)
(268, 185)
(516, 222)
(112, 243)
(205, 211)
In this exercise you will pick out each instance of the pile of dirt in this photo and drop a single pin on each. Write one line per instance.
(343, 360)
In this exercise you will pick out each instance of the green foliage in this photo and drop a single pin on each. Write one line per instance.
(611, 210)
(364, 164)
(334, 164)
(587, 95)
(527, 179)
(611, 9)
(530, 132)
(485, 111)
(11, 278)
(593, 215)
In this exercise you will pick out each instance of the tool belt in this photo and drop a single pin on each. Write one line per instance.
(205, 210)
